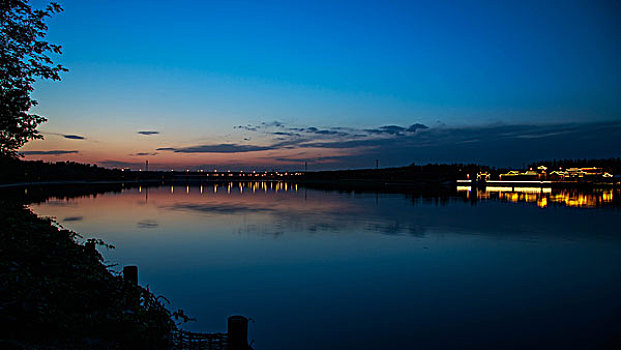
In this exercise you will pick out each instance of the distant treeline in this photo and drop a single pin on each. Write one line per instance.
(15, 170)
(611, 165)
(423, 174)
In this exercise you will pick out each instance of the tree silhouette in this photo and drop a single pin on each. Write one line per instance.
(24, 57)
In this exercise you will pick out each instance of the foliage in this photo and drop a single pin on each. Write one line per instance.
(57, 294)
(24, 57)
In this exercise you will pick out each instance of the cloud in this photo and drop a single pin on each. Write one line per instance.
(53, 152)
(397, 145)
(121, 164)
(246, 127)
(417, 126)
(144, 154)
(220, 148)
(67, 136)
(73, 218)
(275, 124)
(285, 133)
(387, 129)
(497, 144)
(74, 137)
(397, 130)
(148, 132)
(147, 224)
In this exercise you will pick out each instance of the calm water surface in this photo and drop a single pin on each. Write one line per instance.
(330, 270)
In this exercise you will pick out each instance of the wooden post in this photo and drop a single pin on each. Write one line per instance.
(238, 333)
(130, 274)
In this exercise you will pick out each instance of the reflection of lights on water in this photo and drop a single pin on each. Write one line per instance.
(139, 189)
(187, 189)
(201, 189)
(172, 189)
(215, 188)
(519, 189)
(544, 196)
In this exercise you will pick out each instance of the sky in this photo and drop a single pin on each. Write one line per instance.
(336, 84)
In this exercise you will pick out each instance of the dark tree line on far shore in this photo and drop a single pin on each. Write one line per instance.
(13, 170)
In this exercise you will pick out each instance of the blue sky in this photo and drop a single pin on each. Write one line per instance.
(194, 70)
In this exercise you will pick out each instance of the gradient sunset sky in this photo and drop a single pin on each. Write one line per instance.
(272, 84)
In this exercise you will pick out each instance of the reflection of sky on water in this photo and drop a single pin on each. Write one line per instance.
(327, 270)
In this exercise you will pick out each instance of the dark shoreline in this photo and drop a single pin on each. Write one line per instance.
(57, 293)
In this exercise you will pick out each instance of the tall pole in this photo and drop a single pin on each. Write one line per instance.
(305, 166)
(146, 165)
(377, 164)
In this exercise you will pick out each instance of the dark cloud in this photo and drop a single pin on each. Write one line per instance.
(67, 136)
(147, 224)
(275, 124)
(499, 145)
(387, 129)
(220, 148)
(417, 126)
(74, 137)
(262, 125)
(246, 127)
(144, 154)
(53, 153)
(73, 218)
(396, 129)
(121, 164)
(288, 143)
(285, 133)
(343, 144)
(395, 145)
(148, 132)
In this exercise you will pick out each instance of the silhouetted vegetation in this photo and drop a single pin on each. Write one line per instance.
(414, 175)
(15, 170)
(57, 293)
(24, 57)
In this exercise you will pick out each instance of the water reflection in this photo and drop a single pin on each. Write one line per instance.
(322, 269)
(544, 196)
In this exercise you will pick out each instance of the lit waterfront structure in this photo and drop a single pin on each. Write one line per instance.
(571, 174)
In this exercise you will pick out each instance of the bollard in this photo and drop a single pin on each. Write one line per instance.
(238, 333)
(130, 274)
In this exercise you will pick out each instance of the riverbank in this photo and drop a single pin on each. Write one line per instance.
(57, 293)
